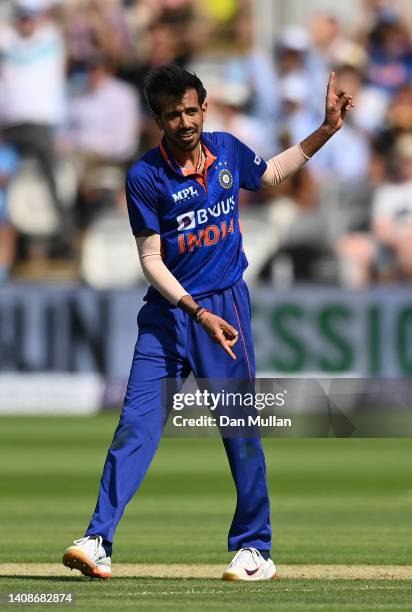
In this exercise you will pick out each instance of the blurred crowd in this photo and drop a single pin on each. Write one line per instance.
(72, 119)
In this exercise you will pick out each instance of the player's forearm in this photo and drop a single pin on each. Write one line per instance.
(160, 277)
(288, 162)
(284, 165)
(317, 139)
(155, 271)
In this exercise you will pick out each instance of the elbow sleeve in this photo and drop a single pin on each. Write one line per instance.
(284, 165)
(155, 271)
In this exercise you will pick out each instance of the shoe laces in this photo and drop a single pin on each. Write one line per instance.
(92, 543)
(244, 557)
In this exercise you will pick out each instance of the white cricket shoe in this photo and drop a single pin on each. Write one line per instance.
(248, 564)
(89, 556)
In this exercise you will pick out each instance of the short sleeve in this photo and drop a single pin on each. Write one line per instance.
(251, 166)
(141, 204)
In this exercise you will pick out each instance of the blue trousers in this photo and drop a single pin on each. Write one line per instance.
(171, 345)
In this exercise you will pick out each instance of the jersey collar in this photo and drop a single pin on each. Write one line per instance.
(209, 150)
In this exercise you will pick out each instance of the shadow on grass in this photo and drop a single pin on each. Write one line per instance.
(82, 579)
(48, 578)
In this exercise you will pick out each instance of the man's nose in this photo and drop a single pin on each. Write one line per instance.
(184, 121)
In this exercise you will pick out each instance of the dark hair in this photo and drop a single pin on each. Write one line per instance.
(171, 80)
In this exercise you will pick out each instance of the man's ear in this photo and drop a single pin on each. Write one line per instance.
(158, 121)
(203, 108)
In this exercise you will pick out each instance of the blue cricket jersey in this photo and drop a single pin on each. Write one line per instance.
(196, 217)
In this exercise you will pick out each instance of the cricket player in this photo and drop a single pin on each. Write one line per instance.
(182, 200)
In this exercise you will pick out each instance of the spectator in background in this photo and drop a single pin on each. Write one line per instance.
(92, 26)
(163, 45)
(165, 42)
(79, 36)
(345, 158)
(104, 119)
(372, 11)
(300, 230)
(104, 125)
(390, 53)
(292, 53)
(371, 103)
(297, 117)
(254, 69)
(330, 49)
(164, 32)
(32, 63)
(384, 254)
(398, 118)
(392, 218)
(9, 161)
(338, 173)
(326, 38)
(227, 113)
(325, 41)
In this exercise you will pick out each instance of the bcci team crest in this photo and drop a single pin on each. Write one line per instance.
(225, 178)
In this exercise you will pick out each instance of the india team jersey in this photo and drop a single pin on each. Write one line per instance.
(196, 217)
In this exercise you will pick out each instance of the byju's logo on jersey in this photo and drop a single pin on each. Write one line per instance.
(225, 178)
(184, 194)
(186, 221)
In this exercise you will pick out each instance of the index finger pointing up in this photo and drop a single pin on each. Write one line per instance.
(331, 82)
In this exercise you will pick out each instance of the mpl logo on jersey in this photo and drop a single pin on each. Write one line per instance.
(184, 194)
(211, 234)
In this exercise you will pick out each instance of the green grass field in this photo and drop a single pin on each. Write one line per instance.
(334, 501)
